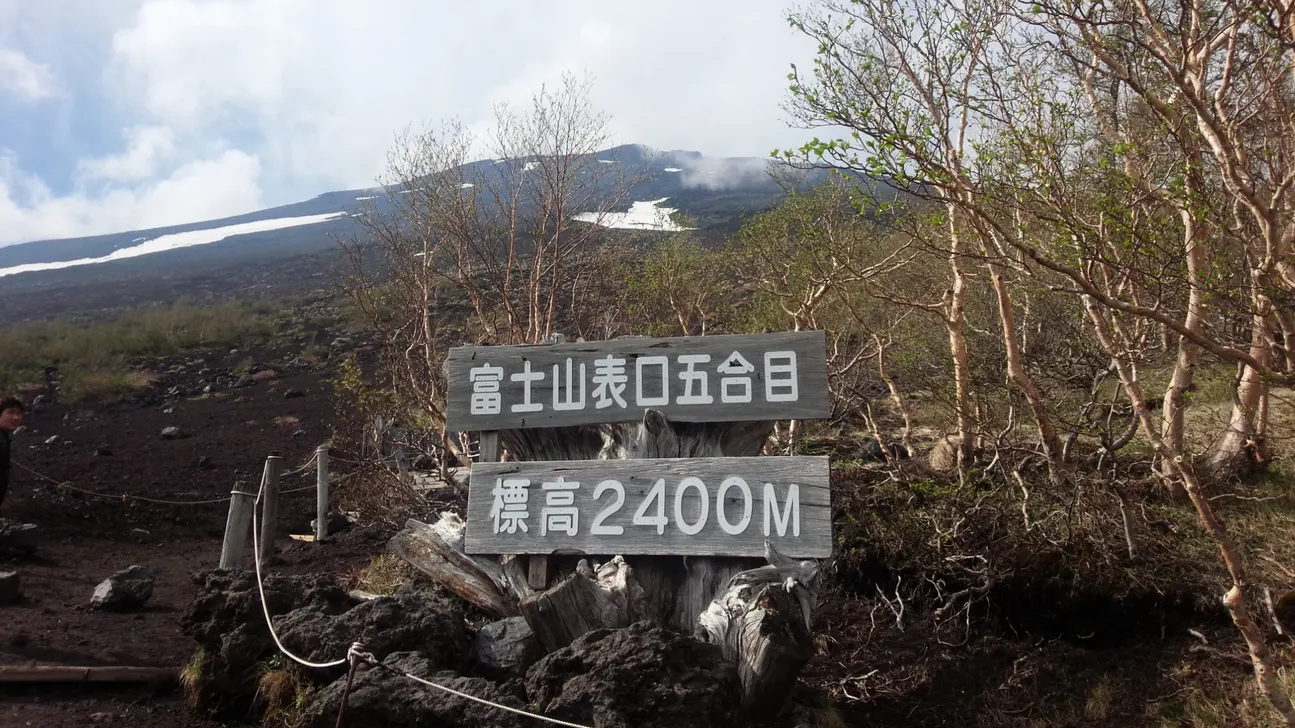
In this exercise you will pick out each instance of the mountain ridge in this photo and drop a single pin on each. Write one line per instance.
(697, 172)
(715, 193)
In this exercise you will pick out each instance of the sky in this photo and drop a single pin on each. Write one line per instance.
(119, 115)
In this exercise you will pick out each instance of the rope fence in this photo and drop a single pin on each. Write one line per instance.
(355, 655)
(160, 501)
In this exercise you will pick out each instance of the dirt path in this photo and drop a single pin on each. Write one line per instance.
(118, 450)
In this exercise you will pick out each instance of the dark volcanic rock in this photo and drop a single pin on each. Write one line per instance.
(506, 648)
(382, 699)
(412, 620)
(643, 676)
(227, 622)
(317, 621)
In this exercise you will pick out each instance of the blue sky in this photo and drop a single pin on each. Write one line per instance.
(124, 114)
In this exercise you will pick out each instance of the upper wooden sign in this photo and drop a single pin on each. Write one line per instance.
(747, 377)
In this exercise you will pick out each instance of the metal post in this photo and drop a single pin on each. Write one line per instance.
(321, 493)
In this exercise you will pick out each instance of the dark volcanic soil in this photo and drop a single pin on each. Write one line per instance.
(116, 450)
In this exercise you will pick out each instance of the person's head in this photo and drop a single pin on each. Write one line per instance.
(11, 412)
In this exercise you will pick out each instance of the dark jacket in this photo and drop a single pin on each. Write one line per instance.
(4, 464)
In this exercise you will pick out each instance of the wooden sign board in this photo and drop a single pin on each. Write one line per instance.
(678, 506)
(731, 378)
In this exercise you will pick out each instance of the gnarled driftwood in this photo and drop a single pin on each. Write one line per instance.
(762, 621)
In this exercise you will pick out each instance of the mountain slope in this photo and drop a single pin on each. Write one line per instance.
(299, 240)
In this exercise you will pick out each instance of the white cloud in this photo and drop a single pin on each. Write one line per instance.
(226, 184)
(149, 146)
(23, 77)
(312, 92)
(326, 83)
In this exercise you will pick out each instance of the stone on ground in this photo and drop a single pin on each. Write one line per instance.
(384, 699)
(128, 589)
(227, 623)
(412, 620)
(643, 676)
(506, 648)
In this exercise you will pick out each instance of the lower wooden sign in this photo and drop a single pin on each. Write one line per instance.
(680, 506)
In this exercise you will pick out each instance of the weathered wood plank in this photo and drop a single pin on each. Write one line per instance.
(592, 507)
(706, 577)
(742, 377)
(435, 551)
(95, 674)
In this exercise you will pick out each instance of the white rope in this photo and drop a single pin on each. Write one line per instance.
(260, 588)
(452, 691)
(356, 650)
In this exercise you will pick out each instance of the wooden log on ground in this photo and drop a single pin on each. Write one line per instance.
(437, 550)
(97, 674)
(762, 622)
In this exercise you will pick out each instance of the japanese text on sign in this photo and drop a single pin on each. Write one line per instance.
(651, 382)
(719, 506)
(711, 378)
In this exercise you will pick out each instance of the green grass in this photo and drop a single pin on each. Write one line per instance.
(96, 361)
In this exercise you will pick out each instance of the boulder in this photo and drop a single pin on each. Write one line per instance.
(172, 433)
(411, 620)
(227, 623)
(506, 648)
(293, 394)
(384, 699)
(871, 450)
(643, 676)
(128, 589)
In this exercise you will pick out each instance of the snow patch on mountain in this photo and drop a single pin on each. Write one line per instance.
(642, 215)
(173, 241)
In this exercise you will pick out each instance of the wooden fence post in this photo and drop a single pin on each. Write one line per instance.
(237, 526)
(270, 506)
(321, 493)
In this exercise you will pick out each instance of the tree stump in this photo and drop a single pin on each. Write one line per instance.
(760, 615)
(763, 621)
